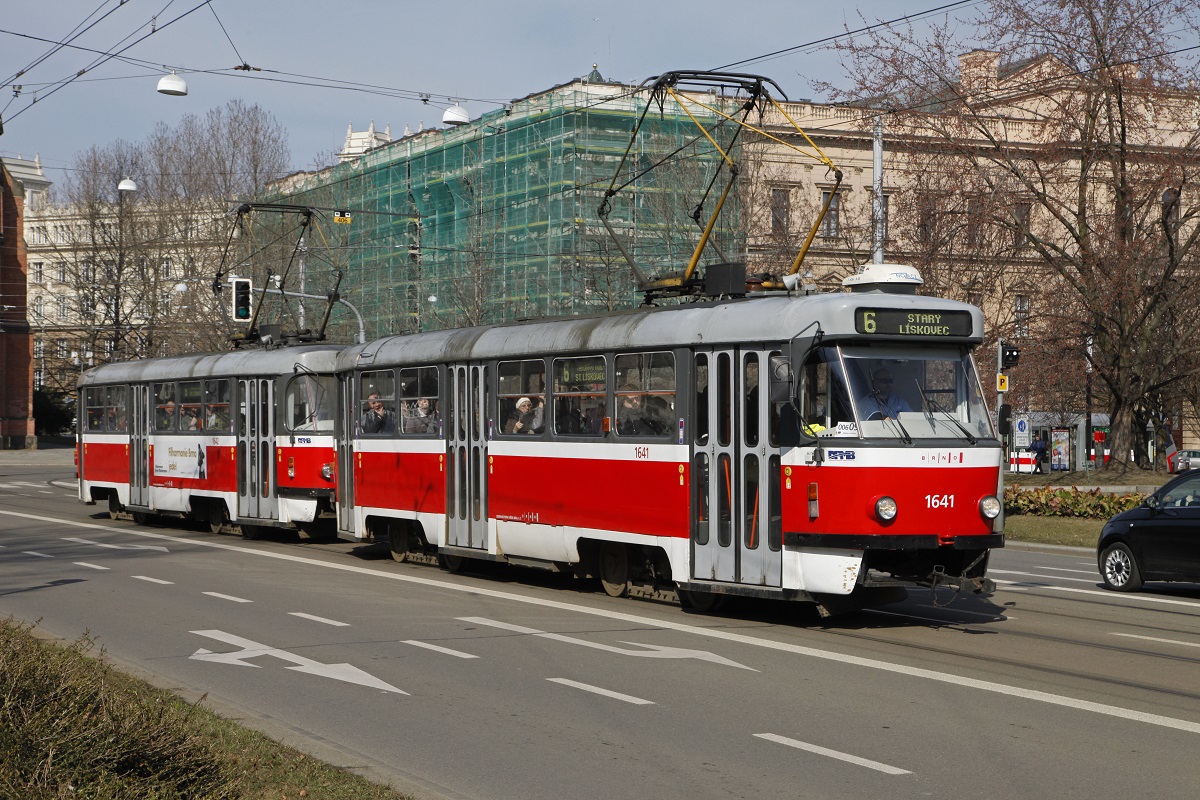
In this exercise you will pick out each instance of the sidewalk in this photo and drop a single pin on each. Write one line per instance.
(47, 455)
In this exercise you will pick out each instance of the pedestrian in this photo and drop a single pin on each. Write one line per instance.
(1039, 453)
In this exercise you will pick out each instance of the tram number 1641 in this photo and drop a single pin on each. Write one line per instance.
(939, 501)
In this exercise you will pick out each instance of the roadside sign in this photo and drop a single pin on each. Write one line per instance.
(1001, 382)
(1021, 432)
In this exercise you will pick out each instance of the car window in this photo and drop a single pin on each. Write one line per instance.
(1184, 493)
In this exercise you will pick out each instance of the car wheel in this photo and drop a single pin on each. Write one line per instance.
(1119, 569)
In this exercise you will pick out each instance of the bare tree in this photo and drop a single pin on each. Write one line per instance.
(1082, 114)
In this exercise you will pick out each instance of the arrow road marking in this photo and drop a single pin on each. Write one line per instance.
(338, 672)
(651, 651)
(117, 546)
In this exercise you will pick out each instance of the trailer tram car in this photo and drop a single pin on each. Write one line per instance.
(750, 446)
(242, 439)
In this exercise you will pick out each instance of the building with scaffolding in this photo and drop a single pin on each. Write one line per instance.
(497, 219)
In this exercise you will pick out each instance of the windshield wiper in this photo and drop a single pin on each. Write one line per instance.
(896, 419)
(926, 399)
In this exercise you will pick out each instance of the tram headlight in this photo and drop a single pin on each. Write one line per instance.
(989, 507)
(327, 471)
(885, 509)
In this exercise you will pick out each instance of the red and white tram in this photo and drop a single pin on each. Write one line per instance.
(244, 438)
(793, 447)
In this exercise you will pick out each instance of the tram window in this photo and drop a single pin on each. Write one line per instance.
(216, 405)
(773, 410)
(419, 393)
(191, 406)
(117, 415)
(164, 407)
(377, 408)
(93, 400)
(724, 398)
(580, 396)
(645, 395)
(308, 403)
(751, 501)
(822, 402)
(750, 397)
(519, 381)
(700, 496)
(774, 505)
(700, 398)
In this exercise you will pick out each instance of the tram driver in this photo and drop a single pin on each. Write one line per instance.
(880, 401)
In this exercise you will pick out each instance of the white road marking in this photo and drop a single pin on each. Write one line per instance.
(1093, 581)
(1157, 639)
(228, 597)
(45, 491)
(1105, 593)
(152, 580)
(627, 698)
(338, 672)
(446, 650)
(89, 566)
(1064, 569)
(652, 651)
(1124, 714)
(825, 751)
(158, 547)
(36, 553)
(323, 620)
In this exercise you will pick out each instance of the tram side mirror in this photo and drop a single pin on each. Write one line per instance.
(780, 369)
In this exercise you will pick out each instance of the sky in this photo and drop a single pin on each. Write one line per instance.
(385, 54)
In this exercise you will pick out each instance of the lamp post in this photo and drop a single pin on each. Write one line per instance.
(125, 187)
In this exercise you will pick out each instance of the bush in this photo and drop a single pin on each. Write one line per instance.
(72, 727)
(1048, 501)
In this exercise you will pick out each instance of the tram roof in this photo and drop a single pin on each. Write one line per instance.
(235, 364)
(754, 319)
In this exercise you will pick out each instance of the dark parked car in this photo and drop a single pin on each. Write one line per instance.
(1157, 541)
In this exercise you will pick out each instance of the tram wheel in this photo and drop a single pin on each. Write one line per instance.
(398, 541)
(452, 563)
(114, 506)
(253, 532)
(140, 517)
(700, 602)
(613, 565)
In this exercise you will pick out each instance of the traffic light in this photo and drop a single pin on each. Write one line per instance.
(1010, 355)
(242, 299)
(1004, 415)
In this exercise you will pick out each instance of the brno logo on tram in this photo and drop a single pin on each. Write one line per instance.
(828, 448)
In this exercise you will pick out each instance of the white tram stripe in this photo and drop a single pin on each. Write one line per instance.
(1002, 689)
(228, 597)
(625, 698)
(446, 650)
(825, 751)
(322, 620)
(89, 566)
(152, 580)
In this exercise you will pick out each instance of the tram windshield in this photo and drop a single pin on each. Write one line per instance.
(893, 392)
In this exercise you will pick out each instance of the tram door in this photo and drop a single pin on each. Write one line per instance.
(737, 526)
(345, 455)
(256, 446)
(466, 457)
(140, 467)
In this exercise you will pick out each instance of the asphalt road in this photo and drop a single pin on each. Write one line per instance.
(511, 683)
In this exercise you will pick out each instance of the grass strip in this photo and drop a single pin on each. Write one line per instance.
(71, 725)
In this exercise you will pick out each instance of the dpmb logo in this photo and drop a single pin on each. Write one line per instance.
(841, 455)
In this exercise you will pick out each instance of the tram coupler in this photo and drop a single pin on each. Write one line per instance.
(985, 587)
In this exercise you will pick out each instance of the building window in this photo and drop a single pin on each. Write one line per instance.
(37, 272)
(62, 309)
(39, 348)
(780, 211)
(38, 378)
(974, 222)
(1021, 306)
(60, 348)
(62, 272)
(1021, 215)
(39, 308)
(830, 226)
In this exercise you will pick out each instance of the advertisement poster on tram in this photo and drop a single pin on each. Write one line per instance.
(1060, 449)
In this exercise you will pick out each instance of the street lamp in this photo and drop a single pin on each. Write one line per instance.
(127, 186)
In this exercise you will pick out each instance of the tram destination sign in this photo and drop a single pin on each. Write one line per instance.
(912, 322)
